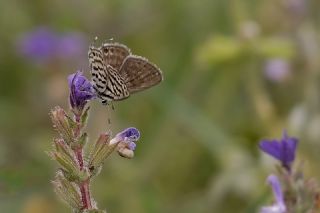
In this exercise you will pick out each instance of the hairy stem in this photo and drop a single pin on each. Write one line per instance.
(79, 154)
(85, 194)
(83, 185)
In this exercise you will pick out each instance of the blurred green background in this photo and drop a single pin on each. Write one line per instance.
(235, 72)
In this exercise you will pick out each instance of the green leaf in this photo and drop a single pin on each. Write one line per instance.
(276, 47)
(67, 191)
(64, 149)
(68, 164)
(101, 150)
(84, 116)
(61, 122)
(219, 49)
(71, 122)
(83, 139)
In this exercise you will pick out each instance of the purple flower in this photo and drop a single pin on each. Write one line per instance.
(277, 69)
(283, 150)
(44, 44)
(81, 90)
(39, 45)
(71, 45)
(125, 141)
(279, 206)
(132, 146)
(128, 136)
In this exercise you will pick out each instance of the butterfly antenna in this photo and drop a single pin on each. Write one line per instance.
(112, 106)
(94, 41)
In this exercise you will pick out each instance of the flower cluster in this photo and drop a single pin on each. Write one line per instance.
(291, 191)
(72, 181)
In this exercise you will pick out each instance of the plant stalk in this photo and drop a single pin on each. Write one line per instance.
(83, 185)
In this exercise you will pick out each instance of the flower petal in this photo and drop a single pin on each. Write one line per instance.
(279, 206)
(288, 149)
(272, 148)
(81, 90)
(276, 187)
(127, 136)
(283, 150)
(132, 146)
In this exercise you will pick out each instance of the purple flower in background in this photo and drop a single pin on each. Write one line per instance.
(81, 90)
(279, 206)
(44, 44)
(297, 8)
(277, 69)
(283, 150)
(39, 45)
(72, 45)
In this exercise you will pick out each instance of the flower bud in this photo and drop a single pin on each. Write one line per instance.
(67, 191)
(62, 123)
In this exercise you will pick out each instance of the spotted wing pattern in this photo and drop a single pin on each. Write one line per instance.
(139, 74)
(114, 54)
(108, 84)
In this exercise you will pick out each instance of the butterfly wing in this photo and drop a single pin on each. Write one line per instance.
(139, 74)
(116, 89)
(97, 69)
(108, 84)
(114, 54)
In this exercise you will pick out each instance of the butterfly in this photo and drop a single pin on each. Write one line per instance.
(116, 73)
